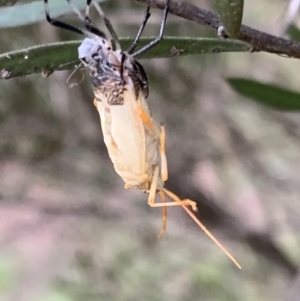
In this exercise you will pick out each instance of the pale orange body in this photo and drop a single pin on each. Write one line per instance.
(132, 138)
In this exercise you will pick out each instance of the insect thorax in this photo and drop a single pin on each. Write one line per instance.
(105, 70)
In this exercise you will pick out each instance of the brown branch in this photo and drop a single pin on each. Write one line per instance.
(260, 41)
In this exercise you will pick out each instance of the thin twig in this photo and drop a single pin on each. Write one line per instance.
(260, 41)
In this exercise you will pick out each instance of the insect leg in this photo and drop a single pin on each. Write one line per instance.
(147, 120)
(86, 21)
(137, 38)
(163, 158)
(106, 21)
(196, 220)
(59, 23)
(164, 225)
(177, 201)
(161, 32)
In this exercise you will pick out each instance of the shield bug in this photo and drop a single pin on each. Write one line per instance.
(135, 144)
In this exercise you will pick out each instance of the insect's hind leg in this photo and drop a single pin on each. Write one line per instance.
(161, 32)
(163, 158)
(196, 220)
(164, 218)
(177, 200)
(180, 202)
(164, 204)
(151, 200)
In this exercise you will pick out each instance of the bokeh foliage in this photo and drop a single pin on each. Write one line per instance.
(68, 229)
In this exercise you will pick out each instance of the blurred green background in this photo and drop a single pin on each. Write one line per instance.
(68, 229)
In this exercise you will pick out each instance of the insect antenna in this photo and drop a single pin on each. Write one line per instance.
(75, 84)
(158, 38)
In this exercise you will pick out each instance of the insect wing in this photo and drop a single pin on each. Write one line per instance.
(124, 134)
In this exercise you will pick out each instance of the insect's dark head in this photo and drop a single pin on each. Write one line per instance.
(93, 51)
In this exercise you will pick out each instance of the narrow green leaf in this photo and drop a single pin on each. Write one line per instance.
(63, 55)
(176, 46)
(267, 94)
(29, 13)
(293, 32)
(231, 14)
(48, 58)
